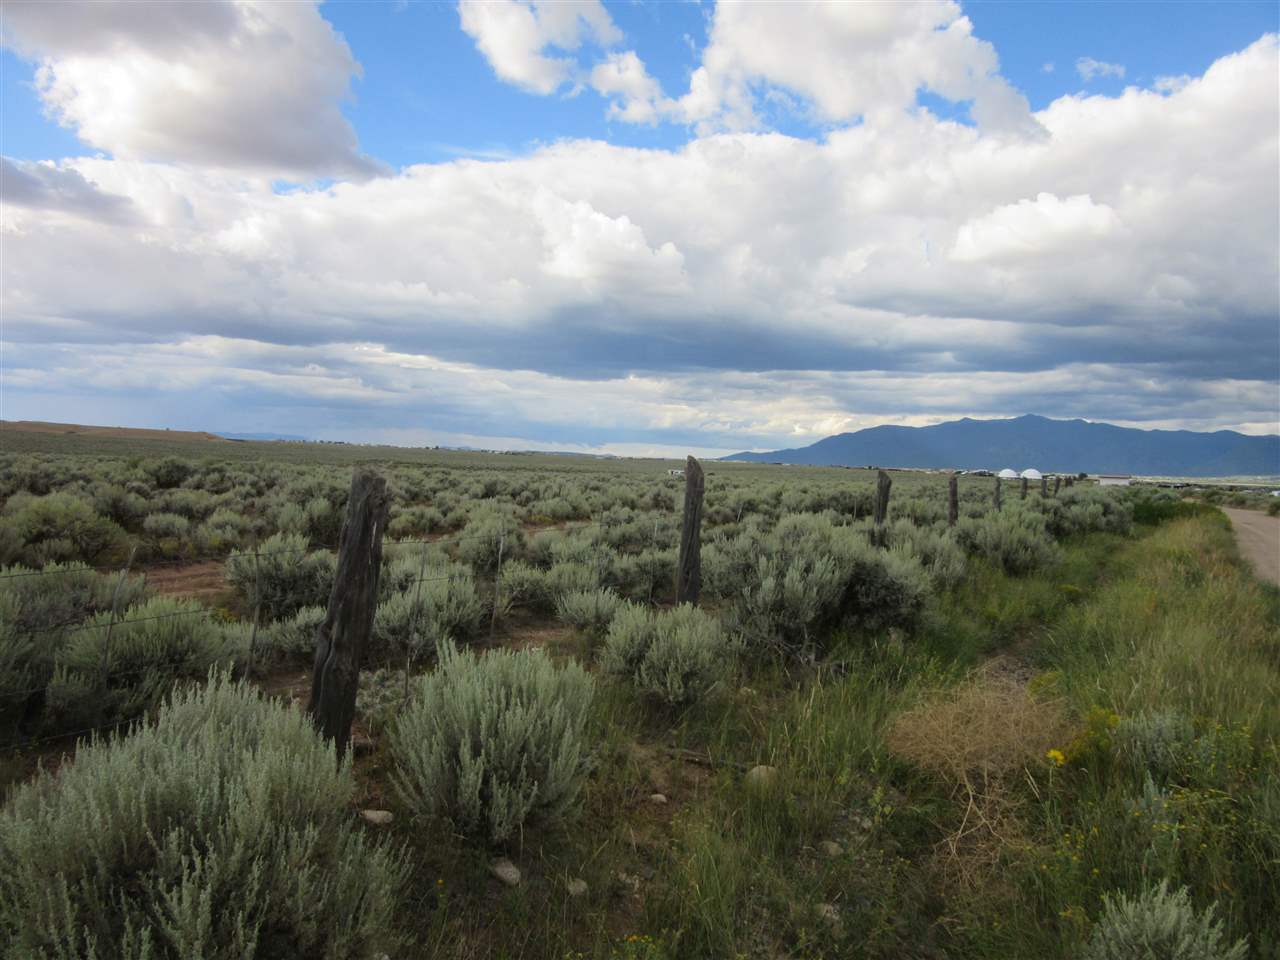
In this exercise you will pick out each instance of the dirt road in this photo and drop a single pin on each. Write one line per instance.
(1259, 539)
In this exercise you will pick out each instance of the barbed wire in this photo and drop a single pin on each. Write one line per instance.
(227, 558)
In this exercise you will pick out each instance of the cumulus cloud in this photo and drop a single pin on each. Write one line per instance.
(515, 35)
(246, 85)
(744, 290)
(55, 190)
(1089, 69)
(848, 60)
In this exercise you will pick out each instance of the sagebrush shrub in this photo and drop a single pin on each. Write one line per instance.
(1016, 540)
(107, 671)
(589, 611)
(1154, 743)
(491, 741)
(1159, 923)
(282, 575)
(676, 656)
(444, 605)
(220, 832)
(61, 527)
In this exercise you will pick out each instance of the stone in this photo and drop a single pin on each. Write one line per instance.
(831, 914)
(658, 798)
(379, 818)
(506, 871)
(830, 849)
(577, 887)
(761, 777)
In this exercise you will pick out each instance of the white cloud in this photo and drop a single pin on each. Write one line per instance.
(250, 85)
(1048, 67)
(847, 60)
(746, 289)
(623, 75)
(514, 37)
(1089, 69)
(1036, 227)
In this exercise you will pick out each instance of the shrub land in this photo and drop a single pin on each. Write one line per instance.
(1050, 730)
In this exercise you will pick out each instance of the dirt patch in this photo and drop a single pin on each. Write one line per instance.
(1259, 538)
(197, 581)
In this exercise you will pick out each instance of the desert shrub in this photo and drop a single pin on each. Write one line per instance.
(60, 527)
(222, 831)
(444, 605)
(937, 550)
(379, 698)
(522, 584)
(1153, 743)
(109, 671)
(223, 528)
(569, 577)
(674, 656)
(789, 589)
(168, 472)
(415, 522)
(1159, 923)
(1013, 539)
(492, 741)
(160, 526)
(293, 637)
(488, 533)
(282, 575)
(589, 611)
(36, 610)
(118, 504)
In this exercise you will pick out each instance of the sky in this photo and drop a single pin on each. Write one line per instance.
(638, 227)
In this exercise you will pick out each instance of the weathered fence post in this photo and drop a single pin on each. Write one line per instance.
(1057, 482)
(1022, 490)
(1071, 481)
(883, 484)
(1044, 486)
(342, 638)
(689, 572)
(953, 500)
(996, 498)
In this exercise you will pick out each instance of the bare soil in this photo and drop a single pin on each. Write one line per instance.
(196, 581)
(1259, 538)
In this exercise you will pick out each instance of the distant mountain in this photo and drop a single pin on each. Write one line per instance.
(1057, 445)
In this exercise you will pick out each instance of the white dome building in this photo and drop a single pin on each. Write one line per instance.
(1007, 474)
(1031, 473)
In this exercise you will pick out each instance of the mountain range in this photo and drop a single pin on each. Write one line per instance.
(1059, 446)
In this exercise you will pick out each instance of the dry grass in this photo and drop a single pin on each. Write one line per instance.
(980, 737)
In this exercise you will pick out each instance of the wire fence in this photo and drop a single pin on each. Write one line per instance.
(110, 621)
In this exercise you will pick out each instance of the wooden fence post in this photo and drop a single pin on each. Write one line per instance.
(1044, 486)
(1071, 481)
(996, 499)
(883, 484)
(1057, 482)
(689, 571)
(342, 638)
(1022, 490)
(953, 500)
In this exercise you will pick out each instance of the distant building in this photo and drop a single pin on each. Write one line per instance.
(1007, 474)
(1114, 479)
(675, 473)
(1031, 473)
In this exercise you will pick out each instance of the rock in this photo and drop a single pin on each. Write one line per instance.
(379, 818)
(830, 849)
(506, 871)
(658, 798)
(831, 914)
(577, 887)
(761, 777)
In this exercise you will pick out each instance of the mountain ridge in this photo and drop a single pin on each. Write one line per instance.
(1041, 442)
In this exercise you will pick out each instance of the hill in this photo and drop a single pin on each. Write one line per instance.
(76, 429)
(1033, 441)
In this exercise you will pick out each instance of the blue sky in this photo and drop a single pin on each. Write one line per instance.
(638, 226)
